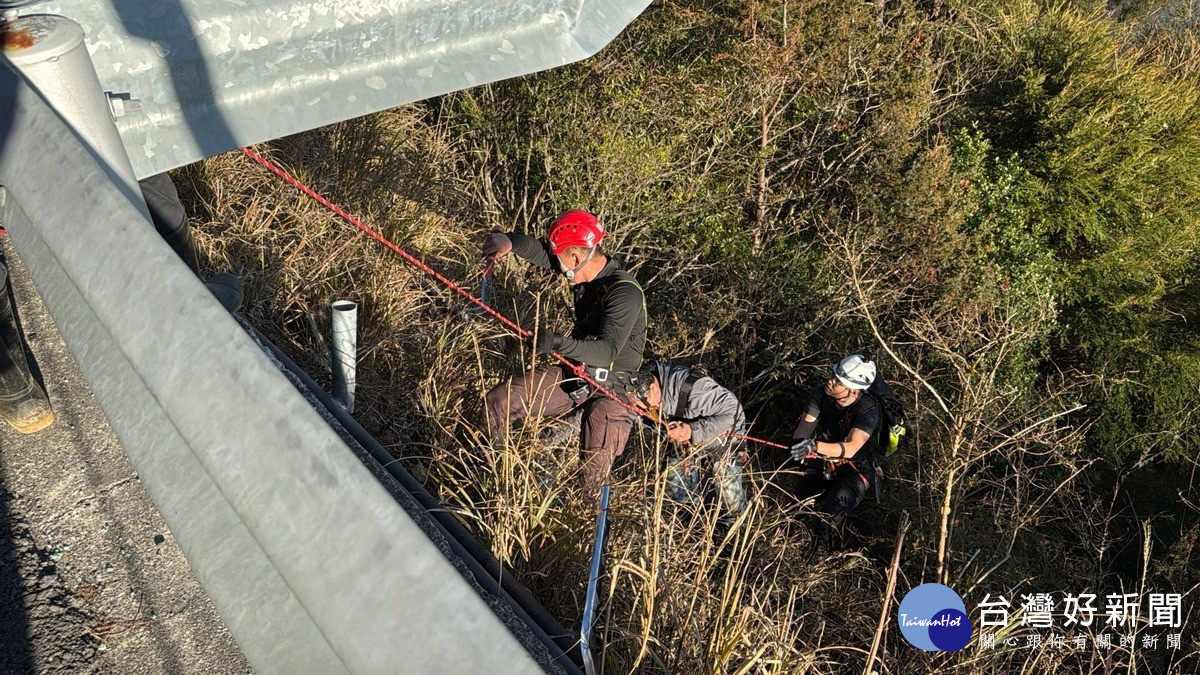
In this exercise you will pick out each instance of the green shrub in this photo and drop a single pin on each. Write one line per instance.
(1096, 145)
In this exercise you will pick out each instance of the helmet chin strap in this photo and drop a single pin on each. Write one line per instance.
(570, 274)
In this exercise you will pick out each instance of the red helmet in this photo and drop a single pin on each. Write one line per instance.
(575, 228)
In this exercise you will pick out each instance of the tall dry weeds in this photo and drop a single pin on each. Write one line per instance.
(684, 593)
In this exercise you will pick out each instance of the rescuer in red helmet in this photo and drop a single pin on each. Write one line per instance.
(608, 339)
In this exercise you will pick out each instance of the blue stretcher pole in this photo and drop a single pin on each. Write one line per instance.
(589, 604)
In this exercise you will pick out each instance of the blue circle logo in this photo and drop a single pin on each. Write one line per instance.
(932, 617)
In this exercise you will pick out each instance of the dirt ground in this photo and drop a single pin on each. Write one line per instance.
(91, 580)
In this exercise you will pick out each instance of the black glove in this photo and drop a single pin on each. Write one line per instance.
(803, 448)
(547, 341)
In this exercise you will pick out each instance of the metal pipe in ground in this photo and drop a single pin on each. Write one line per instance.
(345, 352)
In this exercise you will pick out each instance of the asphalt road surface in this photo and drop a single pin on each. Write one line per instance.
(91, 580)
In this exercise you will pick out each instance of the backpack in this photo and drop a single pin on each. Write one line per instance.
(889, 435)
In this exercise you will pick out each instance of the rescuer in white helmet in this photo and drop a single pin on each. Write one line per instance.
(835, 442)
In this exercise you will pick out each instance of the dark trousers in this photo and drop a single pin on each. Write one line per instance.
(169, 216)
(836, 497)
(541, 393)
(15, 382)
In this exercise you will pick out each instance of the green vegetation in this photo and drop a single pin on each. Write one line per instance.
(1001, 199)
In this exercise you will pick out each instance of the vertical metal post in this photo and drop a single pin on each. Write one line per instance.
(345, 352)
(49, 52)
(485, 291)
(589, 603)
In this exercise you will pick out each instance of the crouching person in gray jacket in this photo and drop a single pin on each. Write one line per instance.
(698, 414)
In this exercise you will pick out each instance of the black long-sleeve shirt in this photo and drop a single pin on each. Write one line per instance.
(610, 312)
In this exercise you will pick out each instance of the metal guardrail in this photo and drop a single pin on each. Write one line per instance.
(312, 564)
(552, 645)
(193, 78)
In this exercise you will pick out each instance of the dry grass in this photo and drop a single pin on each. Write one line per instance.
(683, 594)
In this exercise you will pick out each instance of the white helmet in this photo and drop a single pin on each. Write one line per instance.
(855, 372)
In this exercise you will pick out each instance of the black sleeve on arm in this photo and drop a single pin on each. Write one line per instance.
(530, 249)
(813, 406)
(622, 307)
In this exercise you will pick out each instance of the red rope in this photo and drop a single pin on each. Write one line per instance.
(416, 262)
(744, 437)
(578, 369)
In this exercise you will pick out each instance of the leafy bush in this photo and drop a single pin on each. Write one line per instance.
(1101, 143)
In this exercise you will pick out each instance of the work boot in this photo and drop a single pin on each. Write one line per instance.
(227, 289)
(823, 539)
(31, 413)
(729, 518)
(23, 403)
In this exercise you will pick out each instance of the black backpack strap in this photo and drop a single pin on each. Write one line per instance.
(685, 393)
(623, 277)
(877, 436)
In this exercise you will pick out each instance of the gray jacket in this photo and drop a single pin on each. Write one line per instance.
(711, 409)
